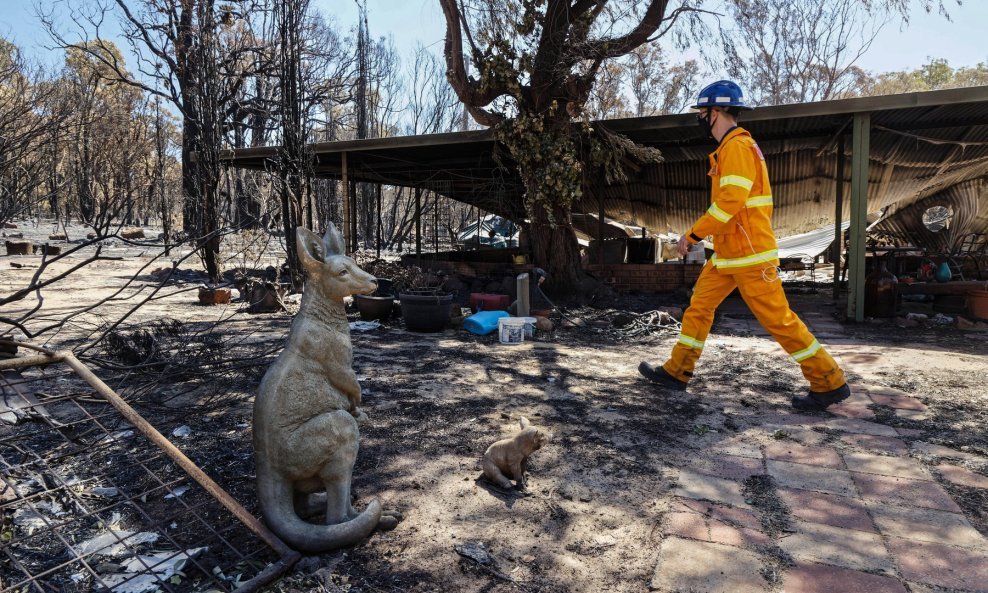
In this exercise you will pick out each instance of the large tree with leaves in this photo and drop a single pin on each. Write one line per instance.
(536, 63)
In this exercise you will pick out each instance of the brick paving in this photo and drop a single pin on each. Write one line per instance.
(853, 409)
(926, 525)
(857, 426)
(932, 450)
(796, 453)
(818, 578)
(884, 465)
(709, 522)
(920, 493)
(828, 509)
(962, 476)
(876, 444)
(867, 508)
(942, 565)
(809, 477)
(849, 548)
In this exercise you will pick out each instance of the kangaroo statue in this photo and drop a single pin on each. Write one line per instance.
(307, 407)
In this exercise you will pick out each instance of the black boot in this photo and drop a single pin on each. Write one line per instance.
(820, 400)
(657, 374)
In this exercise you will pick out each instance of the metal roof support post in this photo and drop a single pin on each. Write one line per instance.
(354, 216)
(860, 146)
(380, 223)
(600, 221)
(418, 222)
(346, 204)
(839, 217)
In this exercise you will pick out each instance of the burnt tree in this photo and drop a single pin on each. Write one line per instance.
(536, 63)
(197, 55)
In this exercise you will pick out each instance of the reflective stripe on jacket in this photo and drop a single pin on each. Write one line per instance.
(740, 213)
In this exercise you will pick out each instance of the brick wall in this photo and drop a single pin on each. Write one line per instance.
(467, 269)
(663, 277)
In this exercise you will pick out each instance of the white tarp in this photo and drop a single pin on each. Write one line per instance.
(809, 245)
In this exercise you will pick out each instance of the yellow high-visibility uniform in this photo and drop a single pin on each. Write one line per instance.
(745, 256)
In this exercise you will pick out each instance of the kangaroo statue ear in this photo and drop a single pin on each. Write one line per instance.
(333, 240)
(310, 248)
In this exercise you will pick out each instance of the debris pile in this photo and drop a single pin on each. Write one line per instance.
(88, 502)
(939, 320)
(650, 322)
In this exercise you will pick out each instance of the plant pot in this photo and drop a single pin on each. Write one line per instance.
(977, 304)
(385, 287)
(374, 307)
(425, 312)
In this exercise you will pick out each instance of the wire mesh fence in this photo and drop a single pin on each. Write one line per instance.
(91, 501)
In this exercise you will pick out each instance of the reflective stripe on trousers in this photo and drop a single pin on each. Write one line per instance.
(768, 302)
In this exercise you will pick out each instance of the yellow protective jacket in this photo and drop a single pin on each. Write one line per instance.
(740, 213)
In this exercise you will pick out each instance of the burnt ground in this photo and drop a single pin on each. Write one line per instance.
(591, 519)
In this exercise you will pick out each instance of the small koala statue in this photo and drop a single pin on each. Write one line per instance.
(509, 457)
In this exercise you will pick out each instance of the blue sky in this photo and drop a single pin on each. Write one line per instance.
(961, 41)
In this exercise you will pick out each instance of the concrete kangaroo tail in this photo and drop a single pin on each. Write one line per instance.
(276, 505)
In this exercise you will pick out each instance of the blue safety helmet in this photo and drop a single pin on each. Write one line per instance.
(722, 93)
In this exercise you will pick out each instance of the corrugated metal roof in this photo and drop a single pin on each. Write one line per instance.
(922, 146)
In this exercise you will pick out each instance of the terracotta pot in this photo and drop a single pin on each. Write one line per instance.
(977, 304)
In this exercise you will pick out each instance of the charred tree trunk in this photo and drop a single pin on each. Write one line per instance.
(555, 248)
(199, 181)
(293, 154)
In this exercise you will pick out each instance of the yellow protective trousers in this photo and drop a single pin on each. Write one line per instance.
(767, 300)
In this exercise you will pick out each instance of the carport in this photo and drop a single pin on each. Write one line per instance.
(879, 162)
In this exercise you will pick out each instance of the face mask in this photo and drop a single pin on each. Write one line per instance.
(705, 124)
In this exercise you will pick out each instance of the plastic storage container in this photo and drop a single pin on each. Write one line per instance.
(696, 254)
(482, 301)
(484, 322)
(511, 330)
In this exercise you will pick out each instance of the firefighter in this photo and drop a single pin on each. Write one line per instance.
(745, 257)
